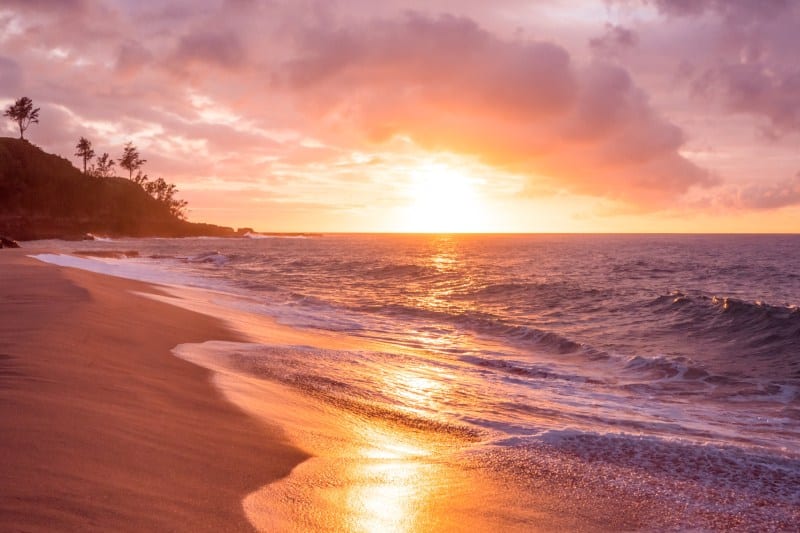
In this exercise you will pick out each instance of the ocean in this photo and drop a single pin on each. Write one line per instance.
(660, 366)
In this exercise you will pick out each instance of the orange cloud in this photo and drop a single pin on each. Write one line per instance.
(520, 105)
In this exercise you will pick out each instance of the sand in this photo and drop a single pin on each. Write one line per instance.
(102, 428)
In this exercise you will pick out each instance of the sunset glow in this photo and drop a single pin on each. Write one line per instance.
(443, 200)
(399, 266)
(598, 116)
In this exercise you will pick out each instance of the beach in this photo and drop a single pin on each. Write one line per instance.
(399, 267)
(103, 429)
(346, 384)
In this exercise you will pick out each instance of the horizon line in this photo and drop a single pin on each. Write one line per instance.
(513, 233)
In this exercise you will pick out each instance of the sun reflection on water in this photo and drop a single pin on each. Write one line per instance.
(444, 262)
(446, 259)
(419, 389)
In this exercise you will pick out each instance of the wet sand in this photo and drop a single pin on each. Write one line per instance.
(102, 428)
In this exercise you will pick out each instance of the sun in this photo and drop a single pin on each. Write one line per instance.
(443, 200)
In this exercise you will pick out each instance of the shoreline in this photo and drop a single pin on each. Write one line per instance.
(324, 459)
(109, 428)
(103, 428)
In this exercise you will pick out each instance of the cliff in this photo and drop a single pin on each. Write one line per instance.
(44, 196)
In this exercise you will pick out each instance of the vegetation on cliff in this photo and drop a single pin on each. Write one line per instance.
(45, 196)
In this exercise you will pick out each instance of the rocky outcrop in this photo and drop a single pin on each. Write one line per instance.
(5, 242)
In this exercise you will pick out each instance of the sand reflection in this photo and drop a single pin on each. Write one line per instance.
(374, 480)
(393, 487)
(364, 474)
(415, 391)
(368, 470)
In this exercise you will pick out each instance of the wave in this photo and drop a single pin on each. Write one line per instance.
(255, 235)
(486, 324)
(401, 271)
(731, 307)
(526, 369)
(297, 368)
(541, 295)
(667, 368)
(703, 466)
(251, 235)
(99, 238)
(738, 381)
(657, 376)
(214, 258)
(749, 329)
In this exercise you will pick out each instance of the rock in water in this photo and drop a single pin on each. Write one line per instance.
(8, 243)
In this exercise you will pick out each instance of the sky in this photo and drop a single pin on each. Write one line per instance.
(431, 116)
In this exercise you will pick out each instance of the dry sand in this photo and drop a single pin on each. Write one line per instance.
(101, 427)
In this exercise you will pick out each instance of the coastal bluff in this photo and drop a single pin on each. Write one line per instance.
(43, 196)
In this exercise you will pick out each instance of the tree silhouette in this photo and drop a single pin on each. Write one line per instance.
(23, 113)
(84, 151)
(141, 179)
(165, 193)
(103, 168)
(130, 159)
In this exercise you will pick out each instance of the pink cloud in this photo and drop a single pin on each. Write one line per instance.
(735, 9)
(604, 120)
(753, 69)
(10, 75)
(770, 195)
(131, 57)
(754, 88)
(517, 104)
(615, 40)
(214, 48)
(71, 6)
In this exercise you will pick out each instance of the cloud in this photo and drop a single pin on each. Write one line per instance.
(226, 91)
(755, 89)
(771, 195)
(10, 76)
(131, 57)
(751, 67)
(520, 105)
(71, 6)
(614, 41)
(738, 9)
(218, 49)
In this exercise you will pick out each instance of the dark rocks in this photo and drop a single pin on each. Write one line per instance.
(8, 243)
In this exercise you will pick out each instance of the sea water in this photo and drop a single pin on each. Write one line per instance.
(666, 365)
